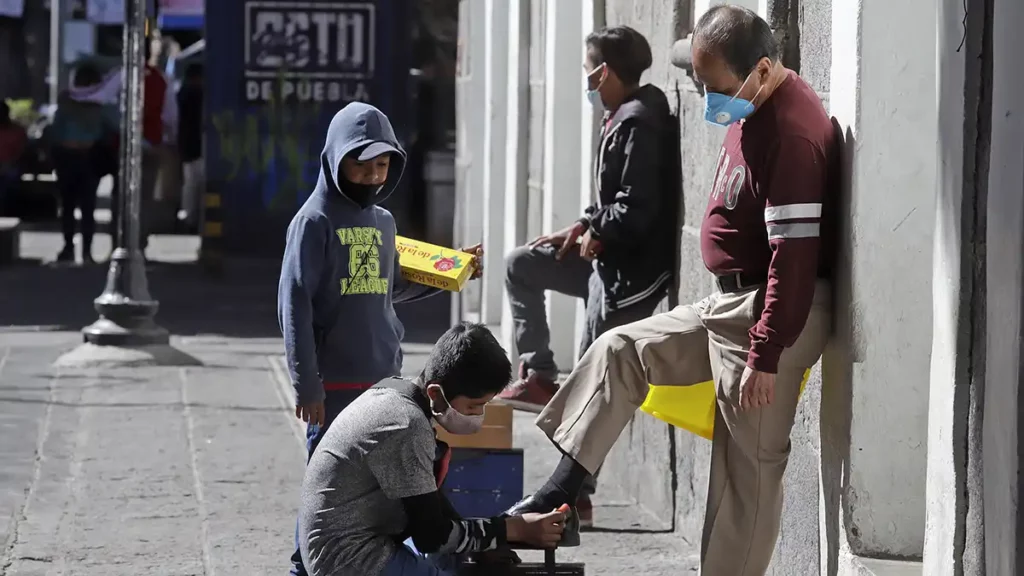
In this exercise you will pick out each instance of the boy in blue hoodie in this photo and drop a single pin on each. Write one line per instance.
(340, 275)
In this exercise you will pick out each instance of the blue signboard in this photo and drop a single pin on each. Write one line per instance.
(276, 73)
(181, 14)
(321, 52)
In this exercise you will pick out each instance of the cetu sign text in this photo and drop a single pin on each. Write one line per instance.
(309, 51)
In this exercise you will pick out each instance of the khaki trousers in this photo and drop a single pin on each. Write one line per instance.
(691, 344)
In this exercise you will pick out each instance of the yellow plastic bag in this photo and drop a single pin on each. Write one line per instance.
(691, 408)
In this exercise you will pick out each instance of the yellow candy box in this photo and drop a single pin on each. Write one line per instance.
(435, 266)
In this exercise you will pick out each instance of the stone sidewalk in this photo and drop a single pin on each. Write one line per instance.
(159, 470)
(195, 471)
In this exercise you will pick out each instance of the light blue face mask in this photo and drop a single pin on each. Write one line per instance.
(594, 96)
(723, 110)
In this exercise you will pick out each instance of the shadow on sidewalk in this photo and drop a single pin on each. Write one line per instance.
(240, 303)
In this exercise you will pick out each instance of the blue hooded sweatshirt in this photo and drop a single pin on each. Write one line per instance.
(340, 273)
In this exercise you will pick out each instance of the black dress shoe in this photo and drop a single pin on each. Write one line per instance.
(571, 532)
(526, 506)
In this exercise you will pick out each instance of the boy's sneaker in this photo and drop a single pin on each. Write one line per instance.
(530, 393)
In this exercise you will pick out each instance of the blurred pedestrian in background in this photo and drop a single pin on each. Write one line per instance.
(12, 146)
(190, 144)
(78, 127)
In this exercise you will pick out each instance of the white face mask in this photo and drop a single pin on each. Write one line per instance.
(594, 96)
(456, 422)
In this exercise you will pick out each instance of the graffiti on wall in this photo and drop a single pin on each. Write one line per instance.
(303, 61)
(272, 149)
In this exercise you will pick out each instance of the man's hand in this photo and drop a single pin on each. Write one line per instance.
(540, 530)
(564, 240)
(311, 413)
(757, 389)
(478, 260)
(590, 247)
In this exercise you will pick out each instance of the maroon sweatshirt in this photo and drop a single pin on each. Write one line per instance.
(764, 219)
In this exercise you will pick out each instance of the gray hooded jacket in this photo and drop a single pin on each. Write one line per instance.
(340, 273)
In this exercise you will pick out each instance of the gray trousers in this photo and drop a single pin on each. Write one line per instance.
(530, 273)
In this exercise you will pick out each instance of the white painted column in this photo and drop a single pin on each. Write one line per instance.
(875, 393)
(563, 150)
(590, 117)
(496, 25)
(470, 139)
(517, 88)
(950, 361)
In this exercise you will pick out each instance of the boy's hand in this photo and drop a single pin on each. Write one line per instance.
(311, 413)
(478, 260)
(540, 530)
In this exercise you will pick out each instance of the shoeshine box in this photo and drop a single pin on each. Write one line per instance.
(434, 266)
(496, 433)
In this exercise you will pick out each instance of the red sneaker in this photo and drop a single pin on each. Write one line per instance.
(585, 510)
(531, 393)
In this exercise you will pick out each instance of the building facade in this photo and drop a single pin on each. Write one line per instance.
(905, 455)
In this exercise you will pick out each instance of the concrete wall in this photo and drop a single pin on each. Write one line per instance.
(470, 143)
(874, 415)
(1003, 401)
(887, 65)
(855, 486)
(525, 164)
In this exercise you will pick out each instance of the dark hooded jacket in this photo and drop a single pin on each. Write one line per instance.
(340, 274)
(638, 182)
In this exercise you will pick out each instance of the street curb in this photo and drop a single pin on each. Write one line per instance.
(92, 356)
(283, 388)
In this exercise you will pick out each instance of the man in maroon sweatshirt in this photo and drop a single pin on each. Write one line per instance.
(766, 238)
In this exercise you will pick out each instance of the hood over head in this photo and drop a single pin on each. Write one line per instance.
(360, 129)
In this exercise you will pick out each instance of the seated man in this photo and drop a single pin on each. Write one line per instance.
(372, 483)
(619, 256)
(622, 266)
(758, 333)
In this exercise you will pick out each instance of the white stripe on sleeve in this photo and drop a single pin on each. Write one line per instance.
(792, 212)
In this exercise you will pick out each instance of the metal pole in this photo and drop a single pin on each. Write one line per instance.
(57, 10)
(126, 309)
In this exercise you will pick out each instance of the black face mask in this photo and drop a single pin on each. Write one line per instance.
(362, 194)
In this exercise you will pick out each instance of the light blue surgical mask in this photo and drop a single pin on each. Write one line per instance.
(723, 110)
(594, 96)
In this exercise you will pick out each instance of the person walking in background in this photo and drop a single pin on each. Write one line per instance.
(13, 139)
(619, 257)
(159, 128)
(340, 276)
(190, 143)
(77, 128)
(768, 237)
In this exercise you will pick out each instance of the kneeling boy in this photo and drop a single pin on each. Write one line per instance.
(372, 483)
